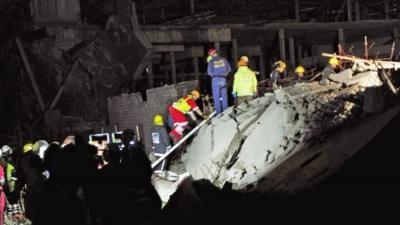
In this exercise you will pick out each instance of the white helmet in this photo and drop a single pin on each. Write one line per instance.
(42, 147)
(5, 150)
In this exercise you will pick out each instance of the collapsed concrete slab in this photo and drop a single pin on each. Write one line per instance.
(302, 130)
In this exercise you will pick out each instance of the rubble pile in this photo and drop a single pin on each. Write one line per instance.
(299, 125)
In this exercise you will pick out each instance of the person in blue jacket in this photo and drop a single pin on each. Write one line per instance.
(218, 69)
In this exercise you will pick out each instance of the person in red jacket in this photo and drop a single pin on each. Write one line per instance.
(178, 111)
(2, 195)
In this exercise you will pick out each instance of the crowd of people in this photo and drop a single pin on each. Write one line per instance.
(65, 186)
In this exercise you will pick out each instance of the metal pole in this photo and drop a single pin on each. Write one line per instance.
(154, 164)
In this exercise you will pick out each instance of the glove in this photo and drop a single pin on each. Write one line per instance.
(234, 95)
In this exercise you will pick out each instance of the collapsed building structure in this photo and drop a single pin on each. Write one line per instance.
(113, 74)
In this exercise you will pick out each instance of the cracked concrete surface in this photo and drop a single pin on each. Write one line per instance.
(290, 139)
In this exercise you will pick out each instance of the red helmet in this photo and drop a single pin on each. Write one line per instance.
(211, 51)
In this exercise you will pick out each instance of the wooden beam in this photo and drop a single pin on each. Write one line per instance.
(62, 87)
(173, 67)
(297, 10)
(234, 52)
(349, 10)
(30, 74)
(292, 53)
(150, 75)
(282, 48)
(169, 48)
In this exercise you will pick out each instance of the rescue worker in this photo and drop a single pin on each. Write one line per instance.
(245, 82)
(29, 173)
(160, 141)
(218, 69)
(299, 71)
(333, 63)
(279, 67)
(11, 177)
(2, 195)
(178, 111)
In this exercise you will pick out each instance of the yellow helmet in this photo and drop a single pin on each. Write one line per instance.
(334, 61)
(280, 64)
(27, 147)
(158, 120)
(299, 69)
(195, 93)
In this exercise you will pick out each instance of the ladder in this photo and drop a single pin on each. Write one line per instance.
(154, 164)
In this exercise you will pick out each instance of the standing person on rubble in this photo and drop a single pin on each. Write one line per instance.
(178, 111)
(279, 67)
(245, 82)
(218, 69)
(333, 63)
(160, 141)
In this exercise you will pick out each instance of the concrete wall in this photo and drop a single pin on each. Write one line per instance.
(128, 111)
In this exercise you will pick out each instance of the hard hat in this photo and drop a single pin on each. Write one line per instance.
(42, 146)
(195, 93)
(209, 58)
(27, 147)
(158, 120)
(299, 69)
(5, 149)
(211, 51)
(244, 61)
(280, 64)
(334, 61)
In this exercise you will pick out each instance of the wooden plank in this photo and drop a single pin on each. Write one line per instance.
(62, 87)
(30, 74)
(150, 75)
(169, 48)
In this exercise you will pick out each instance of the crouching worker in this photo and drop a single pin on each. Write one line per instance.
(178, 111)
(160, 142)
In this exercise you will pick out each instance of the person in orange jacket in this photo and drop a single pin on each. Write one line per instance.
(178, 111)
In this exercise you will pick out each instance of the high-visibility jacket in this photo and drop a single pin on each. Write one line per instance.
(185, 104)
(245, 82)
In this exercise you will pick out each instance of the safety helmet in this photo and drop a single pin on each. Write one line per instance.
(299, 69)
(334, 61)
(195, 93)
(209, 58)
(211, 51)
(5, 150)
(40, 148)
(280, 64)
(158, 120)
(27, 147)
(244, 61)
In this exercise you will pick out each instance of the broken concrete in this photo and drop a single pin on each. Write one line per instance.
(303, 124)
